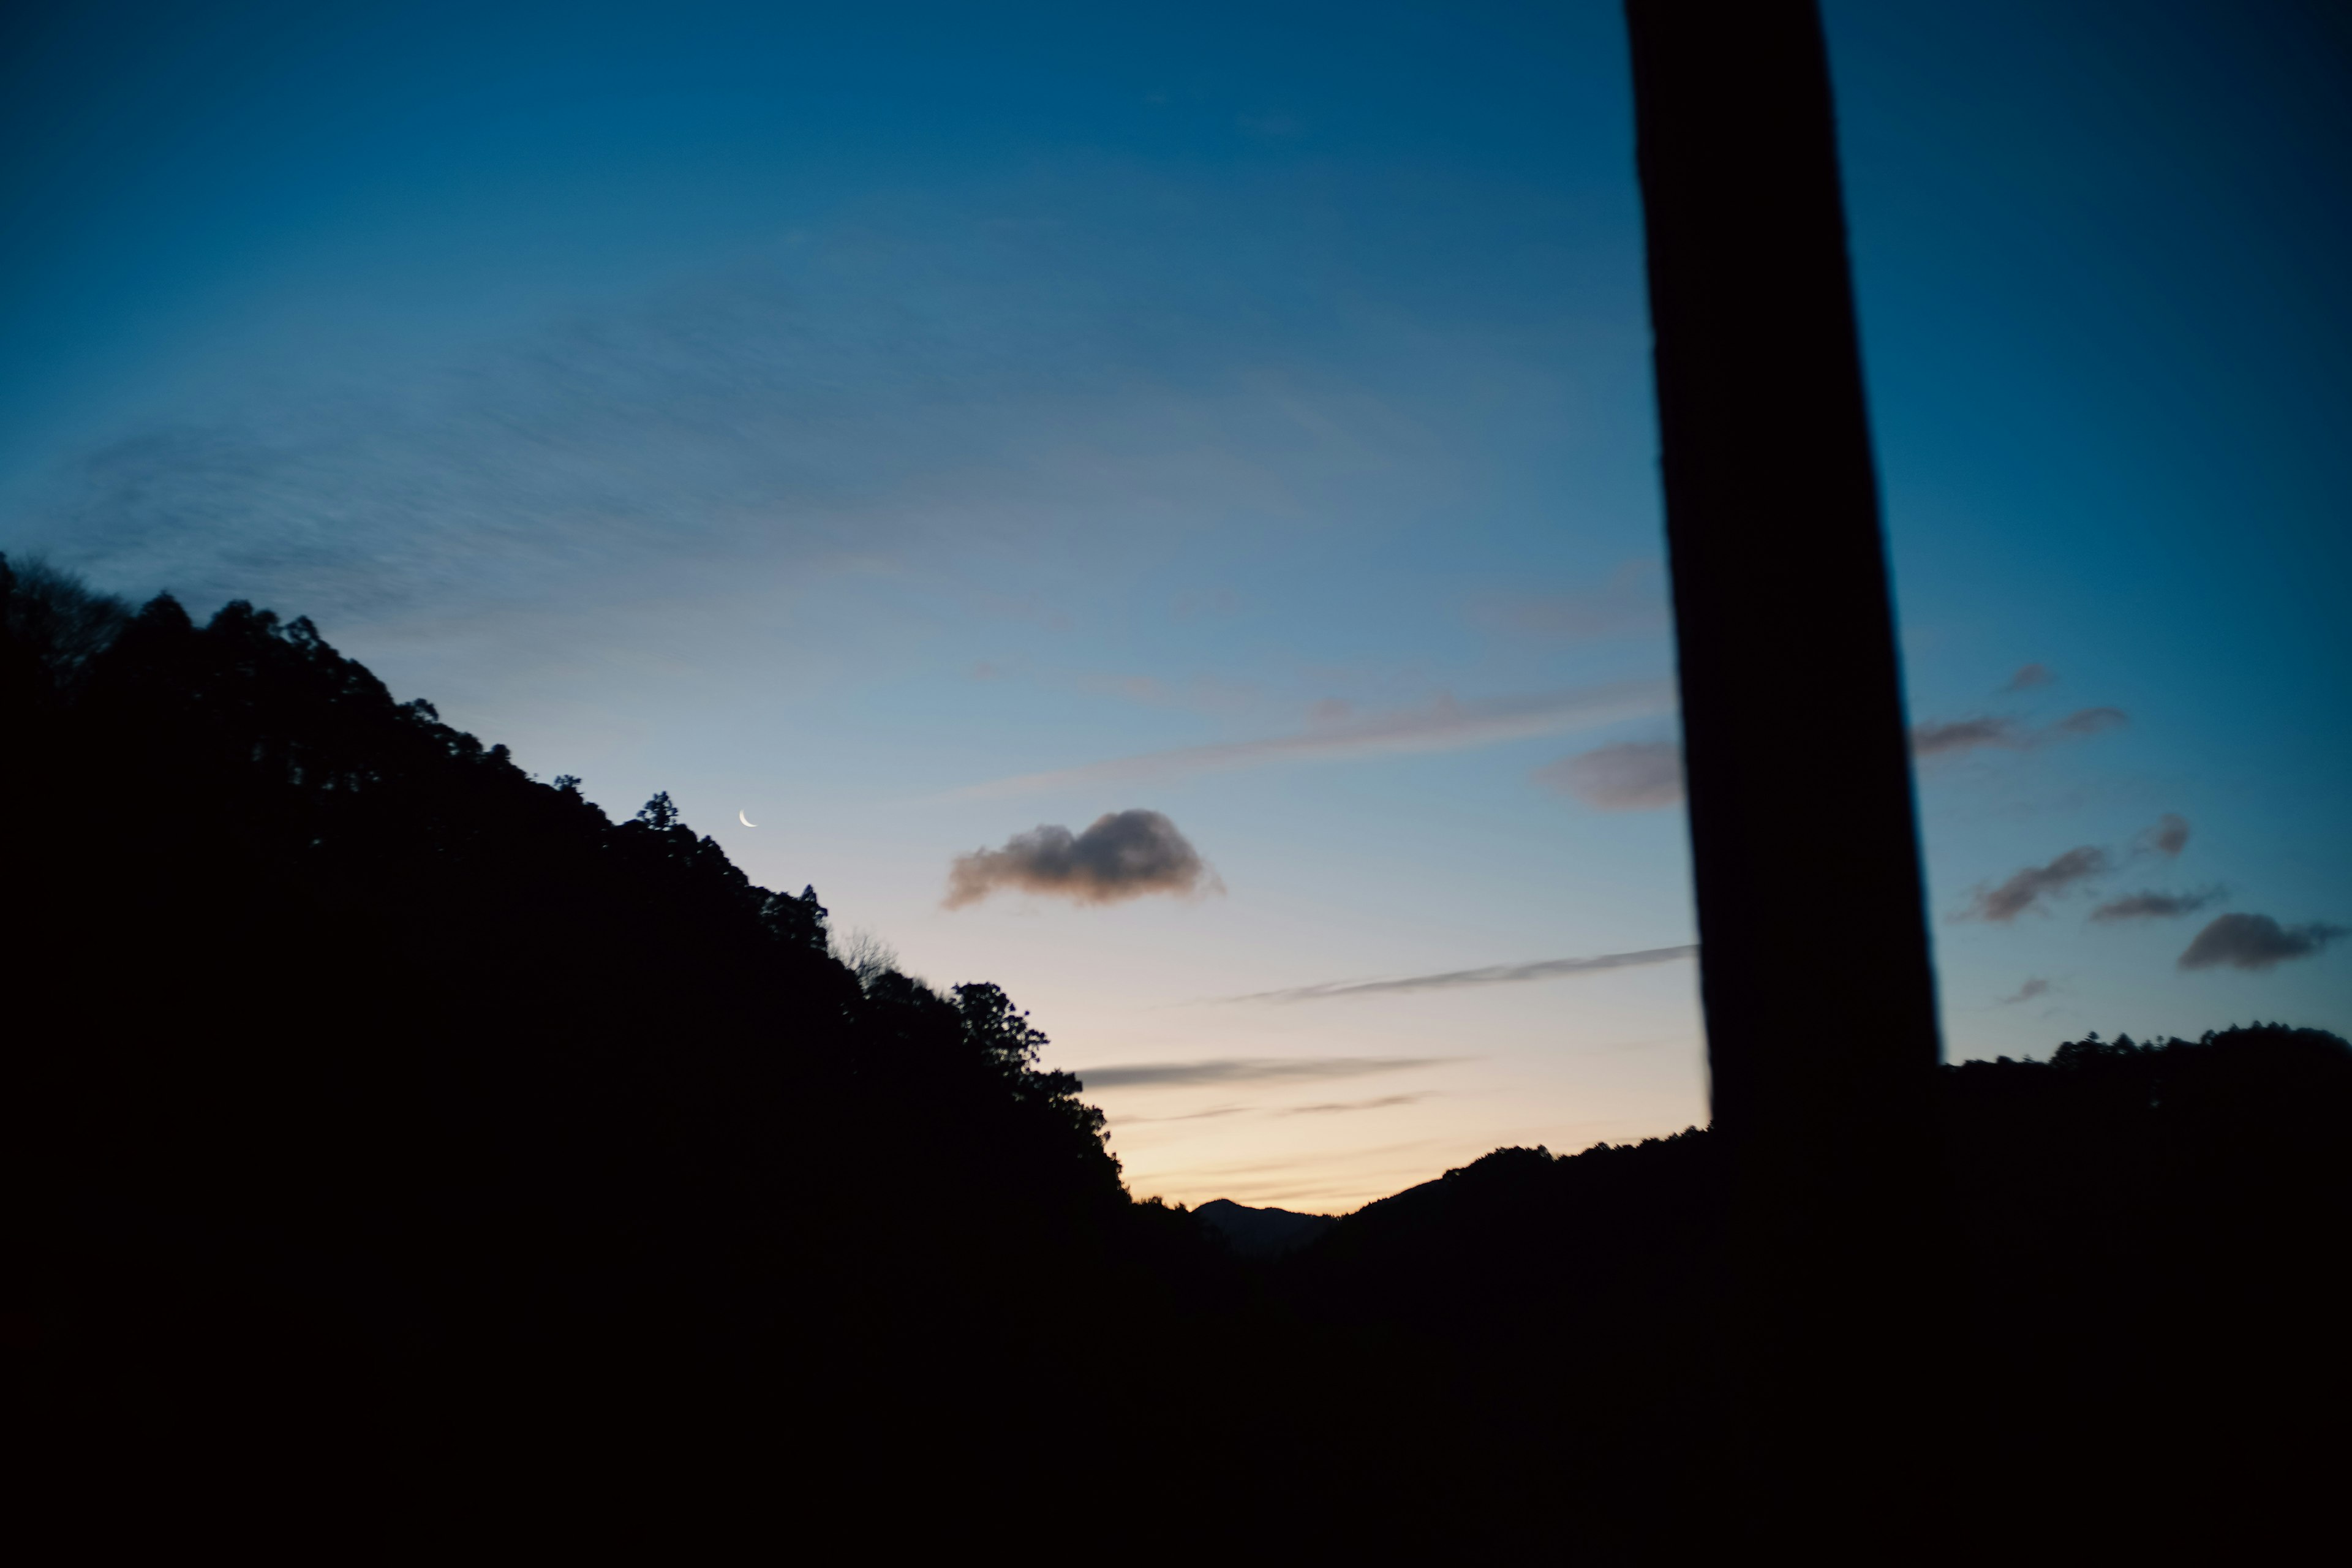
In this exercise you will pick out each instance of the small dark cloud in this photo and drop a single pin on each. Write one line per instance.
(2091, 721)
(1340, 1105)
(2029, 676)
(2036, 986)
(1122, 855)
(2029, 887)
(1959, 736)
(1638, 775)
(2254, 942)
(1492, 974)
(2168, 838)
(1249, 1069)
(2155, 905)
(1965, 735)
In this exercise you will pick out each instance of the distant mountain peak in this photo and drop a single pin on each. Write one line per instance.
(1263, 1233)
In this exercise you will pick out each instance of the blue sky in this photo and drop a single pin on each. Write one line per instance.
(911, 428)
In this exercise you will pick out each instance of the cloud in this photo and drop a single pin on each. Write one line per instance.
(1121, 854)
(2156, 906)
(1340, 1105)
(2029, 887)
(1637, 775)
(1444, 725)
(2168, 838)
(2254, 942)
(743, 418)
(924, 370)
(1959, 736)
(2029, 676)
(2090, 721)
(1201, 694)
(1188, 1116)
(1493, 974)
(1645, 775)
(2036, 986)
(1965, 735)
(1249, 1069)
(1634, 599)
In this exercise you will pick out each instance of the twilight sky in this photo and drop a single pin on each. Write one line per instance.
(1155, 505)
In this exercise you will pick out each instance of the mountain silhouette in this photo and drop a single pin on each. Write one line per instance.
(399, 1150)
(1261, 1232)
(358, 1078)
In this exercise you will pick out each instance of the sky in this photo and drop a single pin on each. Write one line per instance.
(1155, 506)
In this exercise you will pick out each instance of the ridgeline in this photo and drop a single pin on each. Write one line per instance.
(398, 1146)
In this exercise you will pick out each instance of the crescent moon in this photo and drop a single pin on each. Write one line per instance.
(745, 820)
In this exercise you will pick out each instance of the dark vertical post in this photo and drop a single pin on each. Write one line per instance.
(1820, 1000)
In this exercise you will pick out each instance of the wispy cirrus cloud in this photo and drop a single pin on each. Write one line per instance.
(1634, 599)
(913, 374)
(1379, 1102)
(1328, 1108)
(2089, 722)
(1212, 1113)
(1444, 725)
(1634, 775)
(1647, 775)
(1248, 1070)
(1491, 974)
(1958, 737)
(2152, 905)
(746, 418)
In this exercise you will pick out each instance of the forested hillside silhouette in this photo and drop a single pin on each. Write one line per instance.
(2143, 1331)
(368, 1091)
(395, 1142)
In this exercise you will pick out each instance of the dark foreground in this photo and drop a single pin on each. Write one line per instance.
(405, 1161)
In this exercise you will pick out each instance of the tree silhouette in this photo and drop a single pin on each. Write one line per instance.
(383, 1127)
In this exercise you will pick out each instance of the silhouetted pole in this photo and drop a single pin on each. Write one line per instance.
(1820, 1000)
